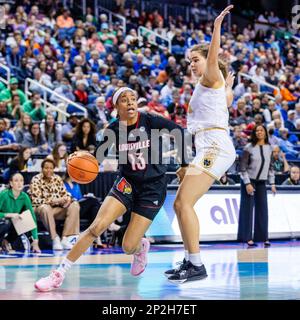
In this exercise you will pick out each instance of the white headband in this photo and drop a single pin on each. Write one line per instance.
(119, 92)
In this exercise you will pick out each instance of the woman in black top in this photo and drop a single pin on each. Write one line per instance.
(19, 163)
(256, 169)
(85, 136)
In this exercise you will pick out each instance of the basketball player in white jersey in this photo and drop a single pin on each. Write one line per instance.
(208, 120)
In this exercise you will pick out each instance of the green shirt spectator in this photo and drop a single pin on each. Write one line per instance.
(10, 204)
(106, 36)
(7, 94)
(35, 109)
(14, 108)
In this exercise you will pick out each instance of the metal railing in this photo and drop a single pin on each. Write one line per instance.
(152, 36)
(98, 9)
(257, 81)
(8, 74)
(62, 105)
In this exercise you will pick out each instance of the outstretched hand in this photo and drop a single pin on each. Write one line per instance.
(220, 17)
(230, 79)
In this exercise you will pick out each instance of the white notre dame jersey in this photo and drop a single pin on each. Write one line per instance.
(208, 120)
(207, 108)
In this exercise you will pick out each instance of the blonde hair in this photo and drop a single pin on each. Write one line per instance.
(203, 51)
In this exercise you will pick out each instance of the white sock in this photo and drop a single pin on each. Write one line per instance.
(186, 255)
(195, 259)
(65, 266)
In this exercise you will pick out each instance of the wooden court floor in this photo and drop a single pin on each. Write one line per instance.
(234, 273)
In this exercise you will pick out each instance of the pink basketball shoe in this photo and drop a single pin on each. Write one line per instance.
(140, 259)
(53, 281)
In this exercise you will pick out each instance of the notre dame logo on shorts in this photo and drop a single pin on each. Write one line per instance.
(124, 186)
(210, 156)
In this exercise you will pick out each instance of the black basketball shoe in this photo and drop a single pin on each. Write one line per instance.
(189, 272)
(170, 272)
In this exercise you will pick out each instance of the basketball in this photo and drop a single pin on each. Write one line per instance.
(82, 167)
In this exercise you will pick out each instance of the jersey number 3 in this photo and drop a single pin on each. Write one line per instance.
(137, 161)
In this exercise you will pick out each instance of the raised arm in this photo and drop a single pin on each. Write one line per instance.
(212, 76)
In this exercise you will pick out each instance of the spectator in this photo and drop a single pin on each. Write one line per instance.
(242, 88)
(239, 139)
(143, 77)
(22, 127)
(287, 146)
(14, 57)
(156, 67)
(294, 178)
(95, 86)
(94, 43)
(284, 110)
(279, 161)
(94, 63)
(179, 116)
(69, 129)
(51, 131)
(6, 95)
(64, 89)
(52, 202)
(99, 114)
(41, 78)
(166, 92)
(59, 155)
(34, 107)
(273, 140)
(65, 24)
(175, 102)
(290, 122)
(256, 168)
(156, 107)
(85, 136)
(13, 201)
(7, 140)
(19, 163)
(35, 140)
(14, 108)
(80, 93)
(4, 113)
(107, 37)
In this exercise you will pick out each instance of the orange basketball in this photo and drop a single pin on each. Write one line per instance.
(82, 167)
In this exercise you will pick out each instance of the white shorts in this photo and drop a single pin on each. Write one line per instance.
(215, 152)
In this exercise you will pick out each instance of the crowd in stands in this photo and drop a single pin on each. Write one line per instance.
(86, 58)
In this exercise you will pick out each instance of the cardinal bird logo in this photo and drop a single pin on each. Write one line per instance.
(124, 186)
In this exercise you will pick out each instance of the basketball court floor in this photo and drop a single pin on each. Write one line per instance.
(234, 273)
